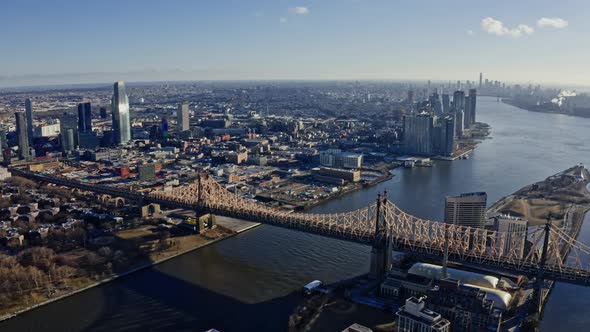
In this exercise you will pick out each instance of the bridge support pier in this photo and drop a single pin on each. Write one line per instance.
(203, 221)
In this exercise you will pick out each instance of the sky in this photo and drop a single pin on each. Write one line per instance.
(73, 41)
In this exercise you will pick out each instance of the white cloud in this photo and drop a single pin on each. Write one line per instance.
(495, 27)
(283, 20)
(299, 10)
(552, 22)
(259, 13)
(470, 32)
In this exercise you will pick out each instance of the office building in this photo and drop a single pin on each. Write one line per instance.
(88, 140)
(466, 209)
(69, 132)
(513, 235)
(103, 113)
(344, 174)
(182, 117)
(411, 97)
(415, 317)
(68, 140)
(480, 80)
(459, 101)
(22, 135)
(435, 103)
(337, 158)
(418, 134)
(84, 117)
(47, 130)
(215, 123)
(446, 103)
(29, 115)
(120, 112)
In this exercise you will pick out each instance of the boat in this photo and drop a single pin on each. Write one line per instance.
(312, 287)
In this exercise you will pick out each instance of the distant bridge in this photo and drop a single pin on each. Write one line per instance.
(381, 224)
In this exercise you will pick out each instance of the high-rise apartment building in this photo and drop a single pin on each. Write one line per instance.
(29, 115)
(446, 103)
(415, 317)
(459, 101)
(22, 135)
(120, 111)
(418, 134)
(182, 117)
(466, 209)
(513, 234)
(467, 113)
(68, 132)
(84, 117)
(472, 105)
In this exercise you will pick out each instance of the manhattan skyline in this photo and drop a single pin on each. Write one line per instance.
(71, 42)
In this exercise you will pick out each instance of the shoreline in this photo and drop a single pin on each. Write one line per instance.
(532, 109)
(126, 273)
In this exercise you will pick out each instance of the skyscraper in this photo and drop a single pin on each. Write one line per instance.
(418, 134)
(120, 110)
(446, 103)
(84, 117)
(68, 124)
(22, 135)
(466, 209)
(435, 103)
(182, 117)
(29, 114)
(480, 80)
(473, 104)
(459, 101)
(467, 113)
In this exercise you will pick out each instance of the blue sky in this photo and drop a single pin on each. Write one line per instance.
(66, 41)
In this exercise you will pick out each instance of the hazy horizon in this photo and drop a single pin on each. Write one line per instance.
(73, 42)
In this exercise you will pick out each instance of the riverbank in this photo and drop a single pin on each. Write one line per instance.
(547, 108)
(227, 227)
(563, 197)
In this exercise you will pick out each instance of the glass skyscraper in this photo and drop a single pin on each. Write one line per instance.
(84, 117)
(22, 135)
(29, 114)
(120, 109)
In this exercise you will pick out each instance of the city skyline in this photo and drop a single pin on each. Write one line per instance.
(300, 40)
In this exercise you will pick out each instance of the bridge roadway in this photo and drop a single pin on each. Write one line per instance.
(569, 275)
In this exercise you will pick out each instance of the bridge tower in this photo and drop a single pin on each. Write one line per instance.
(540, 279)
(200, 210)
(379, 251)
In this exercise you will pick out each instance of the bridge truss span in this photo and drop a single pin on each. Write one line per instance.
(551, 250)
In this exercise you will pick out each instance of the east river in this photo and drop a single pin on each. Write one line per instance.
(252, 281)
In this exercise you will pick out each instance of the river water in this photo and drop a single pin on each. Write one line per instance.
(252, 281)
